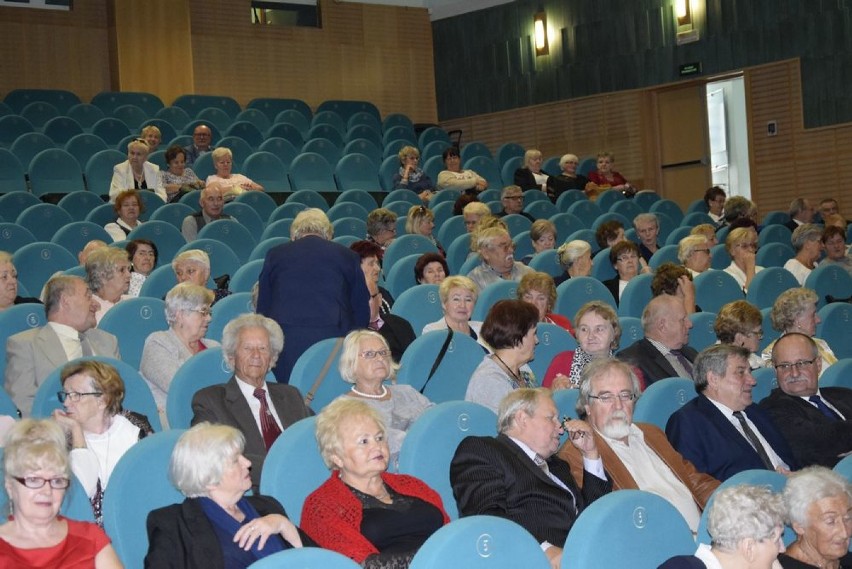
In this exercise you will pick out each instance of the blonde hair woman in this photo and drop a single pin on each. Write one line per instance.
(136, 173)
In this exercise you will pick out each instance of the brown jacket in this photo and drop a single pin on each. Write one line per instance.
(699, 484)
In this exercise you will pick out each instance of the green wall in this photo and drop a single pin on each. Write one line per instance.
(485, 62)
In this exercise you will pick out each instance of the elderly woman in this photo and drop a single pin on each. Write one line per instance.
(609, 233)
(232, 184)
(543, 237)
(707, 231)
(836, 251)
(365, 362)
(99, 430)
(819, 508)
(421, 221)
(740, 323)
(576, 258)
(371, 255)
(35, 465)
(510, 330)
(739, 207)
(193, 265)
(143, 258)
(472, 213)
(529, 176)
(411, 176)
(217, 525)
(569, 179)
(741, 245)
(179, 179)
(795, 310)
(455, 178)
(714, 199)
(605, 178)
(538, 289)
(136, 172)
(108, 277)
(431, 268)
(746, 525)
(694, 252)
(381, 228)
(9, 284)
(458, 295)
(807, 242)
(152, 137)
(675, 280)
(378, 519)
(188, 314)
(624, 257)
(598, 333)
(128, 206)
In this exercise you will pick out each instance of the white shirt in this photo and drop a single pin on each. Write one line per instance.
(824, 400)
(729, 414)
(102, 452)
(798, 270)
(69, 338)
(653, 475)
(739, 275)
(705, 554)
(254, 403)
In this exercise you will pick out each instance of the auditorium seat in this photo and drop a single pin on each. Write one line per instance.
(167, 130)
(361, 197)
(570, 197)
(400, 133)
(13, 237)
(449, 382)
(240, 150)
(109, 101)
(111, 130)
(256, 117)
(223, 260)
(247, 131)
(75, 235)
(228, 232)
(11, 127)
(327, 131)
(172, 213)
(308, 366)
(245, 278)
(607, 199)
(577, 291)
(43, 220)
(17, 99)
(167, 237)
(547, 262)
(83, 146)
(420, 305)
(628, 208)
(247, 217)
(833, 328)
(768, 284)
(215, 116)
(226, 310)
(364, 118)
(507, 151)
(636, 296)
(131, 115)
(285, 150)
(194, 104)
(396, 119)
(271, 107)
(669, 208)
(176, 116)
(28, 145)
(37, 262)
(310, 171)
(12, 175)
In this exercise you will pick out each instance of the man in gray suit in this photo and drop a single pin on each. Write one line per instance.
(251, 344)
(69, 334)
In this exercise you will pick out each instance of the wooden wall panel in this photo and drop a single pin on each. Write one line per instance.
(47, 49)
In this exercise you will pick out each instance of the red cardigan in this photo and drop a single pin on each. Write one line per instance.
(332, 515)
(561, 363)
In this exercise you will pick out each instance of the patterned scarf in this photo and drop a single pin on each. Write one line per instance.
(581, 360)
(413, 177)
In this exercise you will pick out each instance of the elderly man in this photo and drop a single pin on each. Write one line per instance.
(201, 138)
(817, 422)
(516, 475)
(636, 456)
(395, 329)
(722, 432)
(512, 199)
(647, 227)
(251, 344)
(498, 261)
(70, 333)
(212, 203)
(314, 288)
(801, 211)
(663, 352)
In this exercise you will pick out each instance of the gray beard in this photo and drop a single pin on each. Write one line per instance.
(616, 428)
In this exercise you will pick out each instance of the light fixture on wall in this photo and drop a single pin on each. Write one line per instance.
(540, 34)
(686, 29)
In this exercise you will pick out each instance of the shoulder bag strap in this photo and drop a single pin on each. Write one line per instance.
(439, 358)
(309, 397)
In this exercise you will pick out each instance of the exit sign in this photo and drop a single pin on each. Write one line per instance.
(688, 69)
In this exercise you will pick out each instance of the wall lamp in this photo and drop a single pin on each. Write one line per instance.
(686, 30)
(541, 45)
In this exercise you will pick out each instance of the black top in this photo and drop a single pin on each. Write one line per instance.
(557, 185)
(26, 299)
(788, 562)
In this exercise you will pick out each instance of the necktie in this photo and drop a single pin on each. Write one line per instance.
(823, 408)
(687, 365)
(755, 442)
(542, 464)
(85, 346)
(268, 426)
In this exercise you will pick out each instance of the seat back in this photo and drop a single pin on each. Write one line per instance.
(702, 335)
(28, 145)
(166, 236)
(768, 284)
(268, 170)
(844, 468)
(649, 528)
(297, 445)
(78, 205)
(577, 291)
(665, 254)
(75, 235)
(406, 245)
(552, 340)
(246, 277)
(836, 318)
(147, 315)
(272, 106)
(668, 208)
(310, 171)
(194, 104)
(829, 279)
(486, 168)
(226, 310)
(37, 262)
(449, 382)
(714, 289)
(159, 282)
(13, 237)
(498, 290)
(144, 466)
(12, 174)
(55, 171)
(420, 305)
(631, 330)
(661, 399)
(223, 260)
(284, 149)
(400, 278)
(230, 233)
(307, 367)
(636, 296)
(449, 422)
(774, 254)
(766, 382)
(99, 170)
(295, 118)
(111, 130)
(172, 213)
(246, 131)
(357, 172)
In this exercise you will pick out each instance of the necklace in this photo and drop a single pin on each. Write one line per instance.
(370, 395)
(516, 377)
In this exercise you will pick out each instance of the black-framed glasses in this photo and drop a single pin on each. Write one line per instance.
(798, 366)
(608, 398)
(373, 354)
(75, 396)
(36, 482)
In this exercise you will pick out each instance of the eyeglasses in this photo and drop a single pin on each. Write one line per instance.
(798, 366)
(608, 398)
(623, 258)
(74, 396)
(755, 334)
(513, 197)
(701, 250)
(36, 482)
(373, 354)
(205, 312)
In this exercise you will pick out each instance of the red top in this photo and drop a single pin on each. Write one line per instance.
(77, 551)
(561, 363)
(560, 321)
(615, 179)
(332, 514)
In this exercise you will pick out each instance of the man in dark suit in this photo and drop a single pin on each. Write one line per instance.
(722, 432)
(816, 422)
(260, 410)
(396, 330)
(801, 212)
(516, 475)
(314, 288)
(70, 333)
(663, 351)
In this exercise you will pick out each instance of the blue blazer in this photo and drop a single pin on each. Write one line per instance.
(315, 289)
(700, 432)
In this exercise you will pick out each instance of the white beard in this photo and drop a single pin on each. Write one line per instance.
(617, 427)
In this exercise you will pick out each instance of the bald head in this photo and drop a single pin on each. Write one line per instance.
(665, 320)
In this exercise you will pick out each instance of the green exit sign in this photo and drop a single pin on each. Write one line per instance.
(688, 69)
